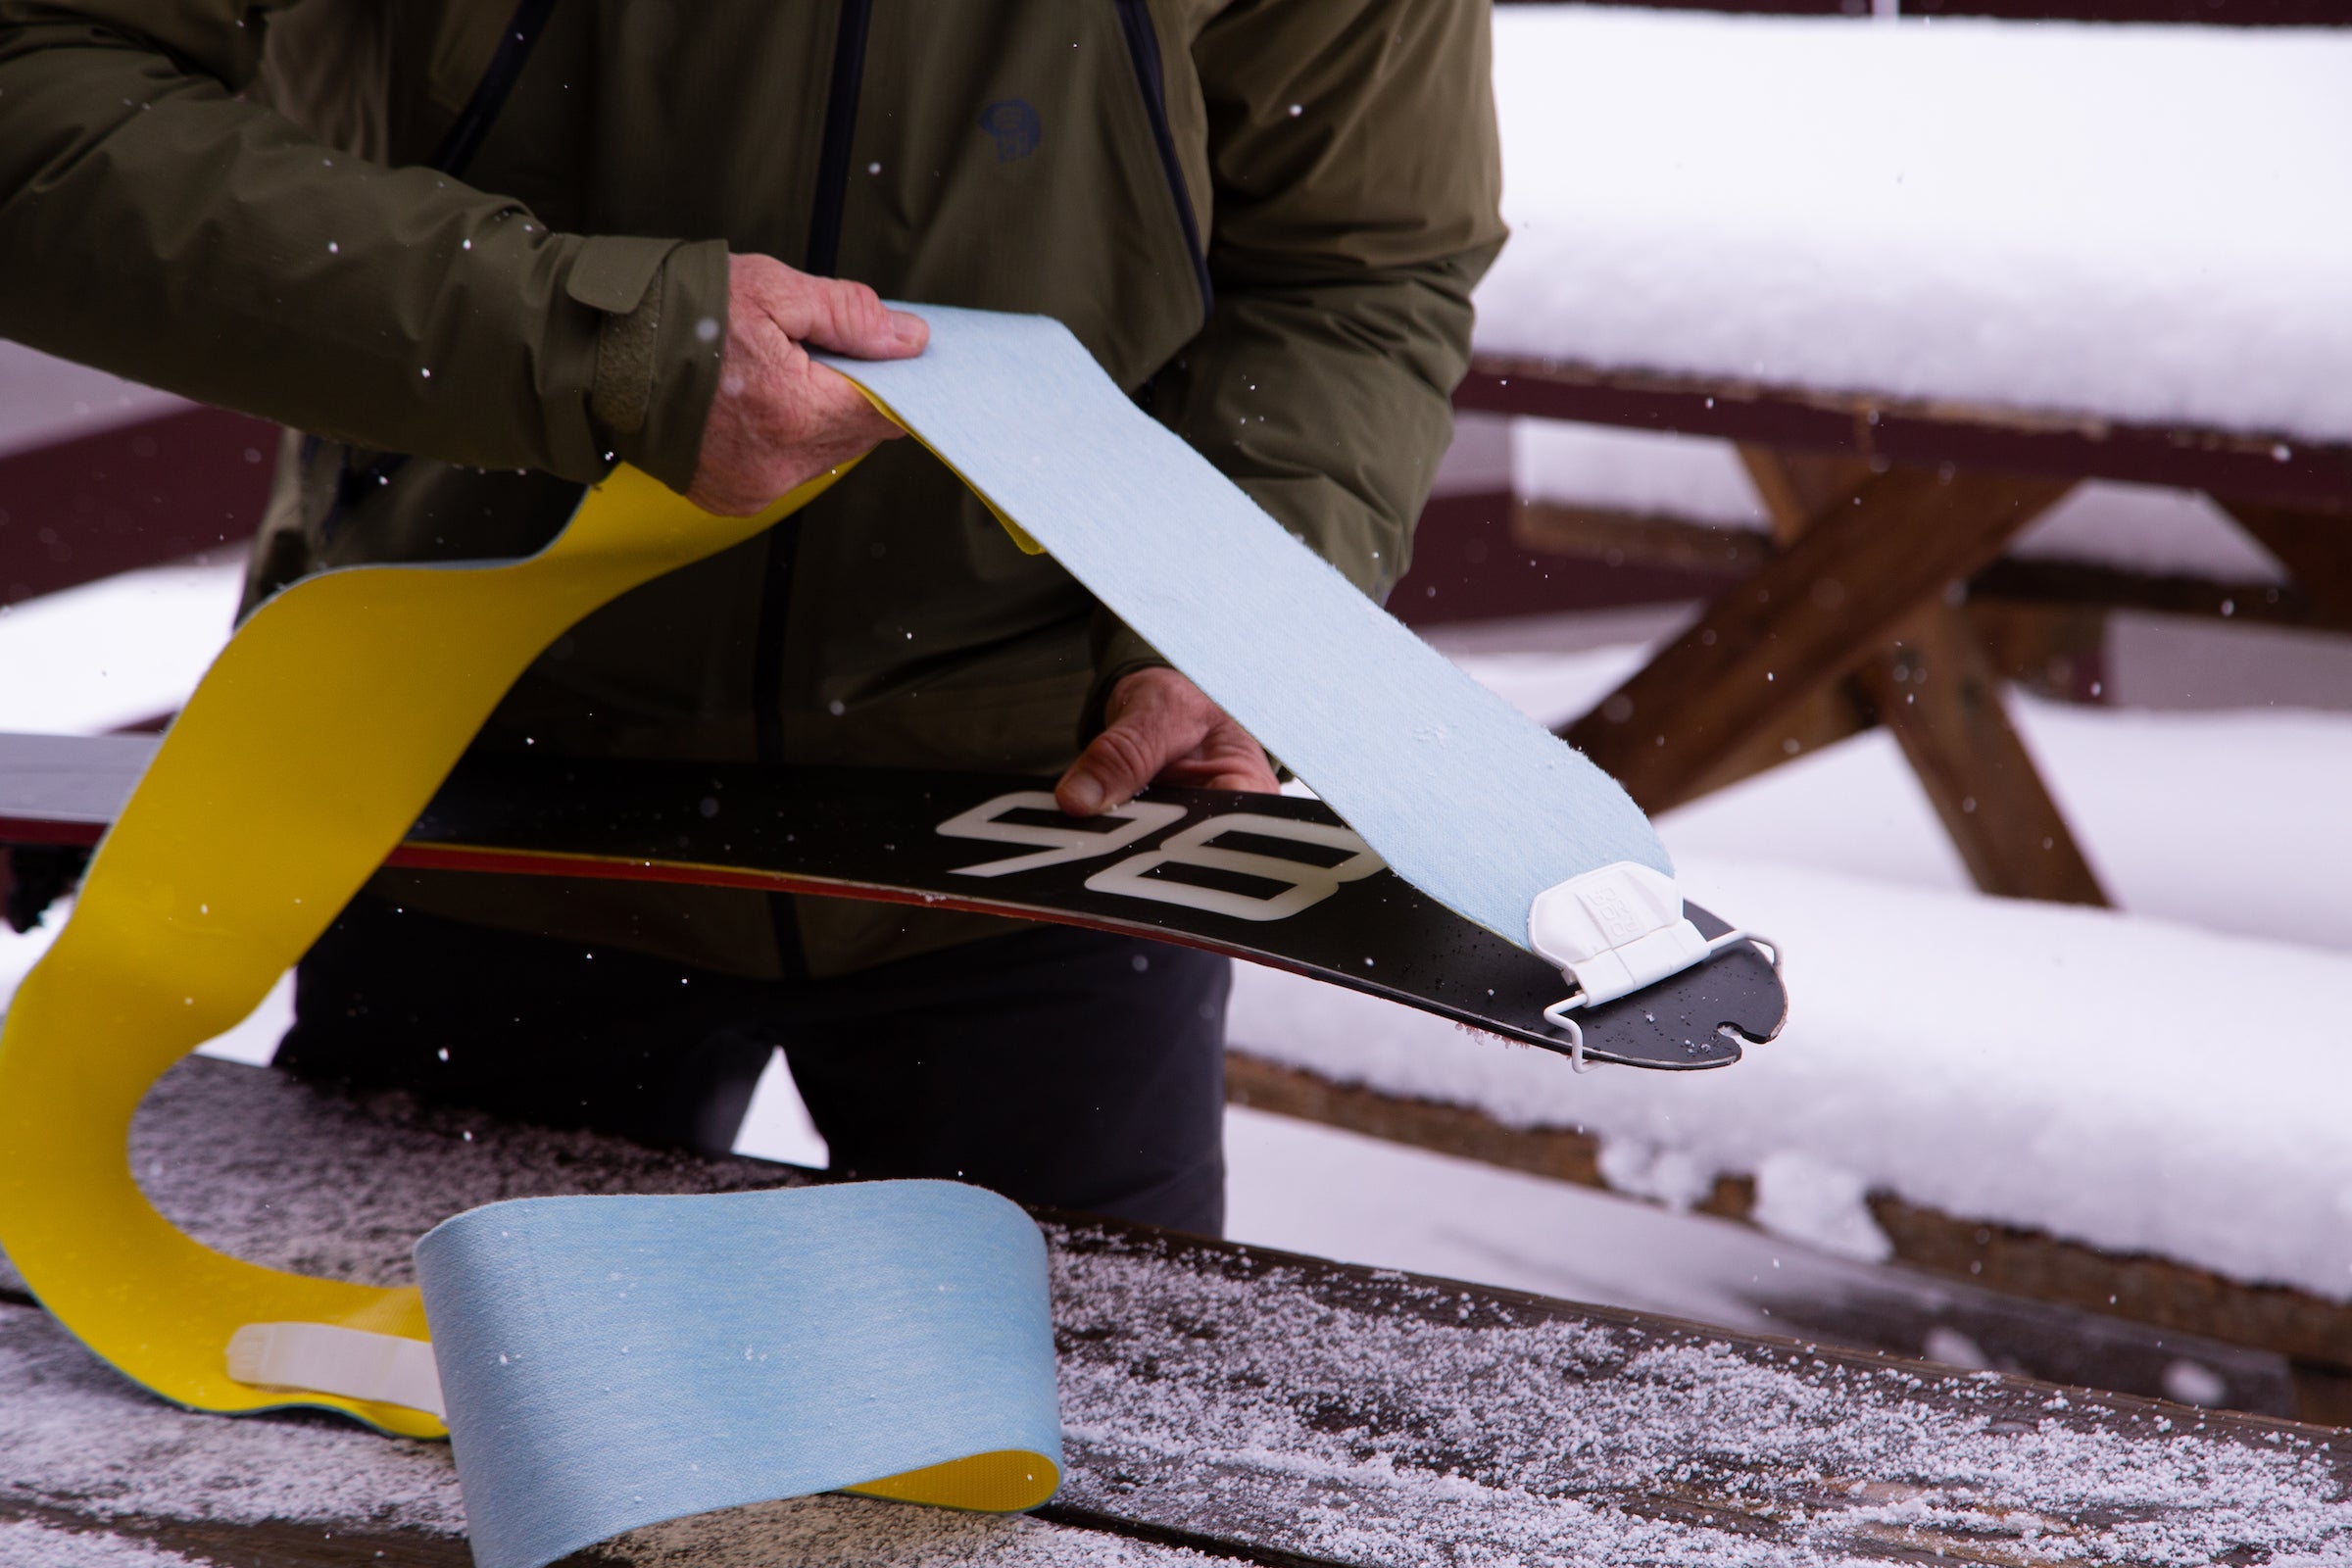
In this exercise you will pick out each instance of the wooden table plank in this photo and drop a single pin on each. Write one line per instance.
(1267, 1408)
(2059, 591)
(2264, 467)
(2314, 546)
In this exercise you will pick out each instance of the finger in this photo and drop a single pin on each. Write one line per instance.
(1242, 769)
(845, 318)
(1220, 767)
(1247, 780)
(1128, 754)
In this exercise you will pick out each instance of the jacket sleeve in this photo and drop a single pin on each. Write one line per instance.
(1354, 189)
(157, 225)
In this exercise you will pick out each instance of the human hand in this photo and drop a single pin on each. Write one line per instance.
(780, 419)
(1159, 727)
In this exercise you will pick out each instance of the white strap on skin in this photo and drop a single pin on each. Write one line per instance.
(1614, 930)
(321, 1358)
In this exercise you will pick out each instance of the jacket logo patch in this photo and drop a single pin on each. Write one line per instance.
(1014, 125)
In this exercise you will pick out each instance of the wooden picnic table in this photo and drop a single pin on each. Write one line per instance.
(1218, 1403)
(1923, 315)
(1887, 517)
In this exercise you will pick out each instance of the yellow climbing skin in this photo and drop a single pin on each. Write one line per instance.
(274, 796)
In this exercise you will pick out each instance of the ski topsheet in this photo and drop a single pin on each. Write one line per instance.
(1274, 879)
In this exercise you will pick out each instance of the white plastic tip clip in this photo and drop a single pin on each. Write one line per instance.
(354, 1363)
(1614, 930)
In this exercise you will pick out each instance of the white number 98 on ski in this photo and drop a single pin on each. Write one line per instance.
(1230, 856)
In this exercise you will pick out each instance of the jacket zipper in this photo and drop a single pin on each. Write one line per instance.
(1142, 49)
(825, 255)
(463, 139)
(833, 150)
(459, 144)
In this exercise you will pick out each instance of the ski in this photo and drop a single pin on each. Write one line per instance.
(1274, 879)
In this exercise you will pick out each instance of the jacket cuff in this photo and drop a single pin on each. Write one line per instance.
(658, 348)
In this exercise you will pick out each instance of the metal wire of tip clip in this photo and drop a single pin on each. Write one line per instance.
(1557, 1015)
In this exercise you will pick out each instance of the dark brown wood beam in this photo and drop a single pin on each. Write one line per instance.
(139, 495)
(1824, 717)
(1829, 601)
(1941, 696)
(2277, 469)
(1937, 690)
(2063, 584)
(2314, 546)
(1630, 540)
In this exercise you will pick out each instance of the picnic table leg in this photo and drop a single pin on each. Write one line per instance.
(2315, 547)
(1874, 550)
(1937, 691)
(1941, 696)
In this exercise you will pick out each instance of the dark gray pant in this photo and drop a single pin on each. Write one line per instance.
(1057, 1066)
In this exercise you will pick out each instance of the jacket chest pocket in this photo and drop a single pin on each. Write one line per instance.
(1017, 157)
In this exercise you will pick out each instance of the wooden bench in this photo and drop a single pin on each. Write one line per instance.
(1216, 1399)
(2055, 1306)
(1714, 236)
(1882, 595)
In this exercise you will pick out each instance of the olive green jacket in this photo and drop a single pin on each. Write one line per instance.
(384, 224)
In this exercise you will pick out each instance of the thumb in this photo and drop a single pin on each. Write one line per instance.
(845, 318)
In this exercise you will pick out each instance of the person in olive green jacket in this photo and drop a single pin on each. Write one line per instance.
(471, 254)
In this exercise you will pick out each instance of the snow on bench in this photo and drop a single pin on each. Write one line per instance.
(2149, 1089)
(2134, 1085)
(1218, 1403)
(2147, 224)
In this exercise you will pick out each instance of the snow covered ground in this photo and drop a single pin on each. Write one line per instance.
(2028, 216)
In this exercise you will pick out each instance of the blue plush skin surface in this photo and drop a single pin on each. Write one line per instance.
(1463, 797)
(611, 1362)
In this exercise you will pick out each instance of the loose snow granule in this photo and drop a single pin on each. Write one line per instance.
(1404, 1435)
(26, 1545)
(74, 1433)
